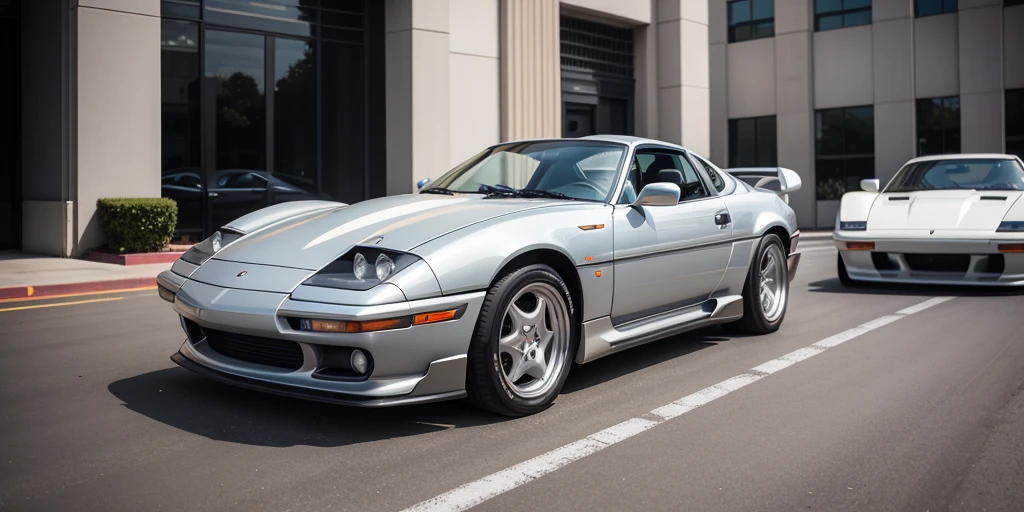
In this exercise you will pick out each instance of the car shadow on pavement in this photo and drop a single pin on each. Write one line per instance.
(834, 286)
(634, 359)
(183, 400)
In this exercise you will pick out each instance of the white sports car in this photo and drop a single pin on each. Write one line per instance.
(944, 219)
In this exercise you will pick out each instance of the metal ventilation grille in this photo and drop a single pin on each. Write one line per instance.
(596, 47)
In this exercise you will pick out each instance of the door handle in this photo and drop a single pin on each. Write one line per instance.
(722, 219)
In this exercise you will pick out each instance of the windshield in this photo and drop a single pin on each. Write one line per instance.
(960, 174)
(576, 169)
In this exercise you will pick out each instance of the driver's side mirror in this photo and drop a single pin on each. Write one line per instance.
(870, 185)
(658, 194)
(422, 183)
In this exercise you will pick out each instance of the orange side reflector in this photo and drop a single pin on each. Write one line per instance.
(437, 316)
(597, 273)
(589, 227)
(860, 246)
(588, 258)
(1011, 247)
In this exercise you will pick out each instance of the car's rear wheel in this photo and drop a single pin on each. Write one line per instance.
(523, 344)
(766, 291)
(844, 276)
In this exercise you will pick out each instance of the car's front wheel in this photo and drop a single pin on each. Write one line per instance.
(523, 344)
(766, 291)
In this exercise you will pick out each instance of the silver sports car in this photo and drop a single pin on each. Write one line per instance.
(490, 282)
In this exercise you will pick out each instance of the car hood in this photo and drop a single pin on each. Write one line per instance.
(401, 223)
(942, 209)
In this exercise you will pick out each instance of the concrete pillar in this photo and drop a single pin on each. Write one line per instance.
(892, 48)
(474, 78)
(684, 97)
(417, 68)
(794, 102)
(531, 83)
(116, 108)
(981, 78)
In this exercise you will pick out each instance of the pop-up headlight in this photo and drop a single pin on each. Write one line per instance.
(354, 270)
(205, 250)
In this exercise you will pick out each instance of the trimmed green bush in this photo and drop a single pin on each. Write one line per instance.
(137, 224)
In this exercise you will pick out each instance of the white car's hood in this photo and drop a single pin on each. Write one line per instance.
(942, 209)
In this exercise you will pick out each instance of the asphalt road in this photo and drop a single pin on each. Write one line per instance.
(923, 413)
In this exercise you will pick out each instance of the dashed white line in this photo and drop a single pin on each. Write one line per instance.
(474, 493)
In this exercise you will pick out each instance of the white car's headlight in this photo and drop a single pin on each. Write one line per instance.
(853, 226)
(1010, 226)
(205, 250)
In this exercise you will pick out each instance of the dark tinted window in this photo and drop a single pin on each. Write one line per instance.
(844, 149)
(751, 19)
(931, 7)
(667, 167)
(1015, 122)
(938, 126)
(832, 14)
(752, 142)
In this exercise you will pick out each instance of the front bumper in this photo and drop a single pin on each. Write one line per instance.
(986, 266)
(410, 365)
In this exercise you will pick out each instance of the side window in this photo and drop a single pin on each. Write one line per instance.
(651, 166)
(716, 179)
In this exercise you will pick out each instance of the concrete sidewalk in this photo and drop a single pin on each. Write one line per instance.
(24, 275)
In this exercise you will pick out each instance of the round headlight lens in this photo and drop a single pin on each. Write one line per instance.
(384, 266)
(215, 241)
(359, 362)
(359, 266)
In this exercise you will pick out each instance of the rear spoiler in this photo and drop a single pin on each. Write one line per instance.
(780, 180)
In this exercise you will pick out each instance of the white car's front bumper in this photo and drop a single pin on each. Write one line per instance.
(933, 257)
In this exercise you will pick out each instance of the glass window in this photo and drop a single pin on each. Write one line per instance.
(844, 149)
(752, 142)
(924, 8)
(556, 167)
(295, 109)
(1015, 122)
(180, 159)
(751, 19)
(833, 14)
(1011, 3)
(938, 126)
(342, 114)
(959, 174)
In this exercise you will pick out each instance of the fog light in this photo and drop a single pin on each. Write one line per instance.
(358, 361)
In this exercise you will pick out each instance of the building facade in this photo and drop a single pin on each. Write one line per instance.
(227, 106)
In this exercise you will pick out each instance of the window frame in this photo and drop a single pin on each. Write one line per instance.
(685, 159)
(844, 12)
(943, 128)
(844, 156)
(750, 23)
(945, 8)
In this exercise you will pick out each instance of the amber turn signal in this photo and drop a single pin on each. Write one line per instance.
(1011, 247)
(437, 316)
(860, 246)
(340, 326)
(589, 227)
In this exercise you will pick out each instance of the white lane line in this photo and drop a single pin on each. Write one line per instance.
(474, 493)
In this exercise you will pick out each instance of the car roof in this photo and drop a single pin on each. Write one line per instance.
(620, 139)
(965, 156)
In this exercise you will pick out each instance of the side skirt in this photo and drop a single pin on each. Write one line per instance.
(601, 337)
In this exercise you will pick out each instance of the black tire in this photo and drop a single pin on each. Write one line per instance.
(844, 276)
(755, 320)
(486, 388)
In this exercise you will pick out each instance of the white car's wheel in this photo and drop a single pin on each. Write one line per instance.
(524, 343)
(844, 276)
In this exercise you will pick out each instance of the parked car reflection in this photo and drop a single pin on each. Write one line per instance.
(231, 193)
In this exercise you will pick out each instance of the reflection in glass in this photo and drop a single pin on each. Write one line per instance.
(342, 122)
(180, 136)
(295, 110)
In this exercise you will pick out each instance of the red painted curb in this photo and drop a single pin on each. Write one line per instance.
(22, 292)
(144, 258)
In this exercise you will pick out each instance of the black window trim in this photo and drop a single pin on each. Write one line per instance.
(842, 11)
(730, 28)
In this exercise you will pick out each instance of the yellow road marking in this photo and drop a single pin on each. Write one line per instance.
(37, 306)
(79, 294)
